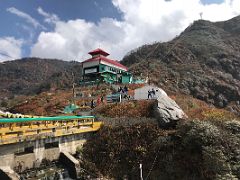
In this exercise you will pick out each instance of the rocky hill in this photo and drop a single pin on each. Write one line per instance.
(34, 75)
(203, 61)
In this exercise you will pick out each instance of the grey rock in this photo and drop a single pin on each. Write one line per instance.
(167, 111)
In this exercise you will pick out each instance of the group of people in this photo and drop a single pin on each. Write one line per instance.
(151, 93)
(123, 90)
(99, 101)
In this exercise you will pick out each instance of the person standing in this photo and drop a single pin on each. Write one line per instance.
(92, 103)
(125, 89)
(149, 94)
(153, 92)
(99, 101)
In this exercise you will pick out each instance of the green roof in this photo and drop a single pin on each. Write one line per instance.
(55, 118)
(70, 108)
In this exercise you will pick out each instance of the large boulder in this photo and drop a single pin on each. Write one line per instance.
(167, 112)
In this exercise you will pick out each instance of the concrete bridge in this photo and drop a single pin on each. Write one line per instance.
(25, 142)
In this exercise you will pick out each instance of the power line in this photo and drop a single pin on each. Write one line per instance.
(153, 164)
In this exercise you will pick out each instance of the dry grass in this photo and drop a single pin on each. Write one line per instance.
(141, 108)
(197, 109)
(53, 103)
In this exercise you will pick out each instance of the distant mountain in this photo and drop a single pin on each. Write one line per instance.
(34, 75)
(203, 61)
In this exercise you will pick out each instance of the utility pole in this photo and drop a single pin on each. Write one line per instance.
(141, 174)
(120, 97)
(201, 14)
(148, 73)
(73, 88)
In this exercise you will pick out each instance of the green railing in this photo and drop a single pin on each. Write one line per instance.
(55, 118)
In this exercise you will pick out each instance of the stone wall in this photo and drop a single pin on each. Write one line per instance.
(7, 160)
(14, 156)
(52, 154)
(24, 161)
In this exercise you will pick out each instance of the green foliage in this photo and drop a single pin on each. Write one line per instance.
(117, 152)
(215, 148)
(4, 104)
(200, 150)
(79, 150)
(233, 126)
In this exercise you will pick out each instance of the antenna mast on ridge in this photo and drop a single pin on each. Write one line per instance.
(73, 88)
(201, 14)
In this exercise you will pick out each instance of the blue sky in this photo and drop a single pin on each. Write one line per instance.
(44, 28)
(12, 25)
(211, 1)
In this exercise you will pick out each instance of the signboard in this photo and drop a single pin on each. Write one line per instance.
(92, 70)
(114, 98)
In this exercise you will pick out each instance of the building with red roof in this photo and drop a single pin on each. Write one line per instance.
(99, 67)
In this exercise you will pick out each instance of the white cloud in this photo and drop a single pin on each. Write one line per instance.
(142, 22)
(25, 16)
(10, 48)
(49, 18)
(29, 31)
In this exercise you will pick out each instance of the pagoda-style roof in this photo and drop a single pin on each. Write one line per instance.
(98, 51)
(104, 59)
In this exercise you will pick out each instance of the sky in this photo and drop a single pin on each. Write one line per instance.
(69, 29)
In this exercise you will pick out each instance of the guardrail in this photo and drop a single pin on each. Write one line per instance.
(54, 118)
(113, 98)
(13, 130)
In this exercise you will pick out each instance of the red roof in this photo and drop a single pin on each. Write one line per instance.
(98, 51)
(110, 61)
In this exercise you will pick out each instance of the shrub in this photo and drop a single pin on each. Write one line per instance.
(195, 150)
(141, 108)
(117, 152)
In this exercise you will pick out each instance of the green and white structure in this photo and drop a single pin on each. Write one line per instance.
(101, 68)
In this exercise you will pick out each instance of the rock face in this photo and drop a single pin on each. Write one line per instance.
(203, 61)
(167, 112)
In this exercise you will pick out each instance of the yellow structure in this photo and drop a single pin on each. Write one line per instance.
(14, 130)
(11, 115)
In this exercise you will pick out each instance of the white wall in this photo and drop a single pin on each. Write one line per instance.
(142, 93)
(90, 64)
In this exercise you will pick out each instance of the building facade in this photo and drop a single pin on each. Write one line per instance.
(101, 68)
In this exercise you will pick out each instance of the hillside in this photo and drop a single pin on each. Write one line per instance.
(203, 61)
(200, 150)
(34, 75)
